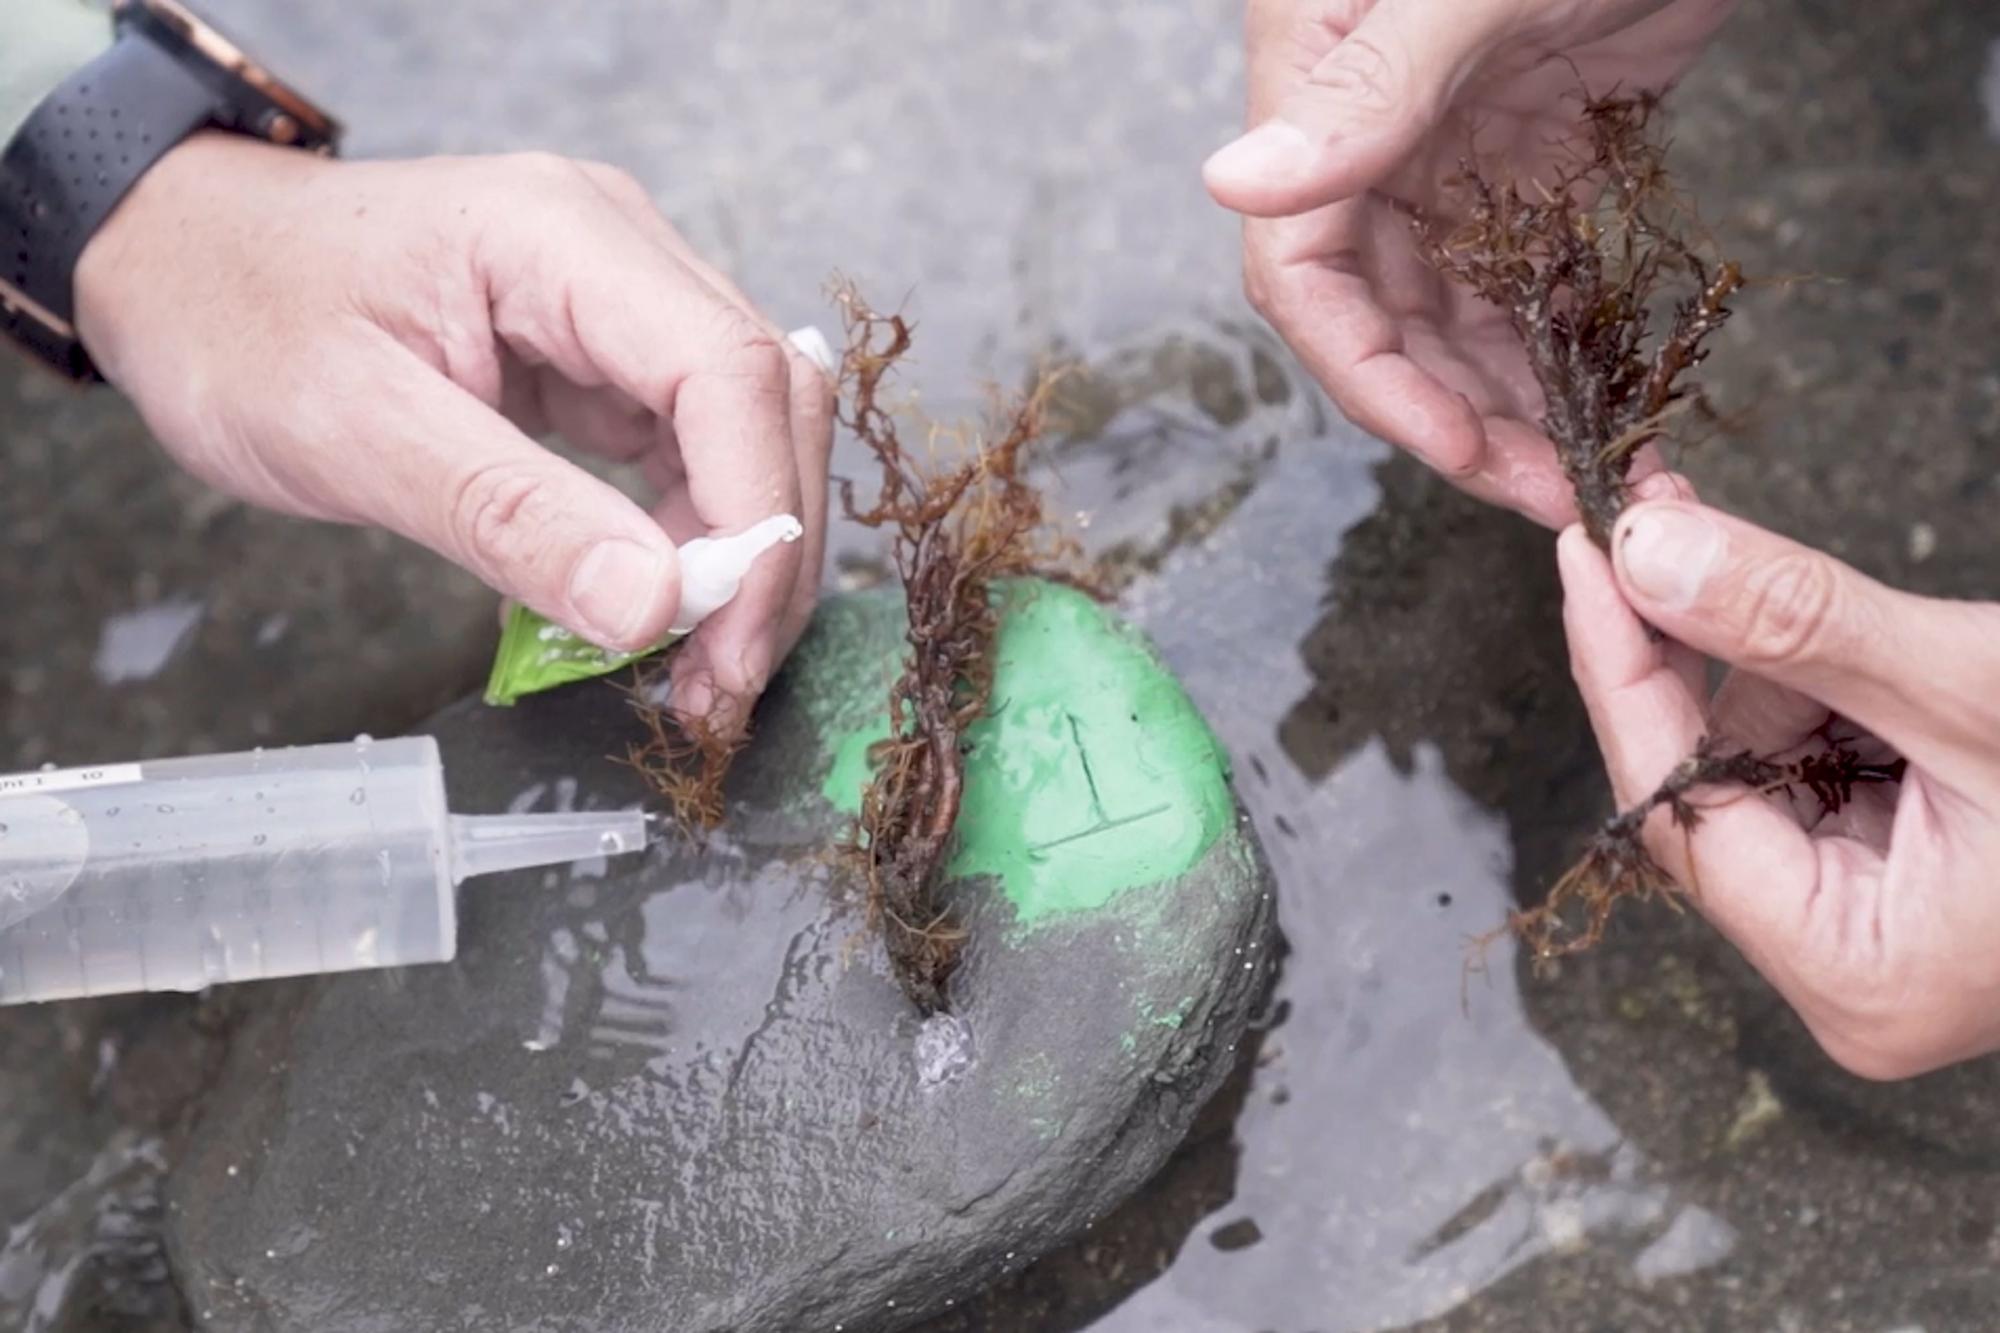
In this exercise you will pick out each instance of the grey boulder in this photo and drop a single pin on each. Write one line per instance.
(680, 1091)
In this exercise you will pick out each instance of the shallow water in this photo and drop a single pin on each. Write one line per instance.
(1408, 1136)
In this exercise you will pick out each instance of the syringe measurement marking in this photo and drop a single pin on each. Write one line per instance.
(68, 779)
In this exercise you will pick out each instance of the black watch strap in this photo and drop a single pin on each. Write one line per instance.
(72, 160)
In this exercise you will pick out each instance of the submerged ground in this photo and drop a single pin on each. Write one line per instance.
(1648, 1141)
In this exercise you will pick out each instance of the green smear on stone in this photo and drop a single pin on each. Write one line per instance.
(1092, 773)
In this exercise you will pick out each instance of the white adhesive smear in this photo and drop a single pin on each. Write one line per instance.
(138, 644)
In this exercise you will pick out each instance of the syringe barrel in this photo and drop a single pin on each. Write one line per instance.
(230, 867)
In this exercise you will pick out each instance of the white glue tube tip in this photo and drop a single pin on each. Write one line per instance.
(812, 344)
(713, 567)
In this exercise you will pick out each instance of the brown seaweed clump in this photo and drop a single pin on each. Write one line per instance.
(684, 761)
(1583, 264)
(957, 525)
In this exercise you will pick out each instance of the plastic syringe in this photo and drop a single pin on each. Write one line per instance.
(176, 874)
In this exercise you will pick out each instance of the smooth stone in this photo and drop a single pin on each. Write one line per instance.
(680, 1091)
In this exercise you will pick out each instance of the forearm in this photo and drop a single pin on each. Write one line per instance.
(42, 42)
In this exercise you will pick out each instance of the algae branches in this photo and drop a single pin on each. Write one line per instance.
(1614, 301)
(1583, 264)
(958, 524)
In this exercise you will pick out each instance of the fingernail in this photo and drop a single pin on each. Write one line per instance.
(1274, 151)
(1666, 553)
(614, 587)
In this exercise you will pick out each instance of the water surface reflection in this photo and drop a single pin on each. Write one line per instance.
(1405, 1140)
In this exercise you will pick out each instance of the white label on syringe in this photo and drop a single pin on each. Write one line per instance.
(68, 779)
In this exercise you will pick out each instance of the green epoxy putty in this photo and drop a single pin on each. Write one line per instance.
(1092, 772)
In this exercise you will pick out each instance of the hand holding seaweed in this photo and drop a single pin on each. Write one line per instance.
(1835, 807)
(1584, 264)
(1850, 852)
(1361, 110)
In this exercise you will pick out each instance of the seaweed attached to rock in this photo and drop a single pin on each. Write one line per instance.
(1614, 300)
(961, 517)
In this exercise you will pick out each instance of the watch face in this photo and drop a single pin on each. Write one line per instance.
(289, 118)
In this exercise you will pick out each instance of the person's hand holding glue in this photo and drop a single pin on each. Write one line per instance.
(376, 342)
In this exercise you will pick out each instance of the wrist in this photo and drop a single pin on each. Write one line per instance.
(166, 77)
(155, 226)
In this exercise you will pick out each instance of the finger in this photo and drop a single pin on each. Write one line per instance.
(1327, 310)
(1352, 116)
(1310, 277)
(1616, 662)
(610, 305)
(811, 367)
(442, 468)
(748, 637)
(1764, 716)
(1521, 473)
(1868, 818)
(635, 203)
(603, 420)
(1913, 671)
(1755, 869)
(623, 310)
(727, 656)
(813, 383)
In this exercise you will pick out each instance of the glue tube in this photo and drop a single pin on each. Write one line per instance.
(536, 654)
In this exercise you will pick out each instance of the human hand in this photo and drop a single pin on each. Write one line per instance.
(1878, 922)
(1364, 106)
(374, 342)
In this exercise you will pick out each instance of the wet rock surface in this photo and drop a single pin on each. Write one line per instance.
(679, 1092)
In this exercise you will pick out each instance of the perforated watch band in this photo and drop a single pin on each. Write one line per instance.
(72, 160)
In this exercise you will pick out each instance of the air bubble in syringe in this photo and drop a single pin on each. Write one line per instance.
(358, 796)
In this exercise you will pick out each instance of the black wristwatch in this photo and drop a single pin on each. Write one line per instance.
(167, 74)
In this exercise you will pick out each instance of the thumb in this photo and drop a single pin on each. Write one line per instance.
(1800, 618)
(445, 470)
(1347, 121)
